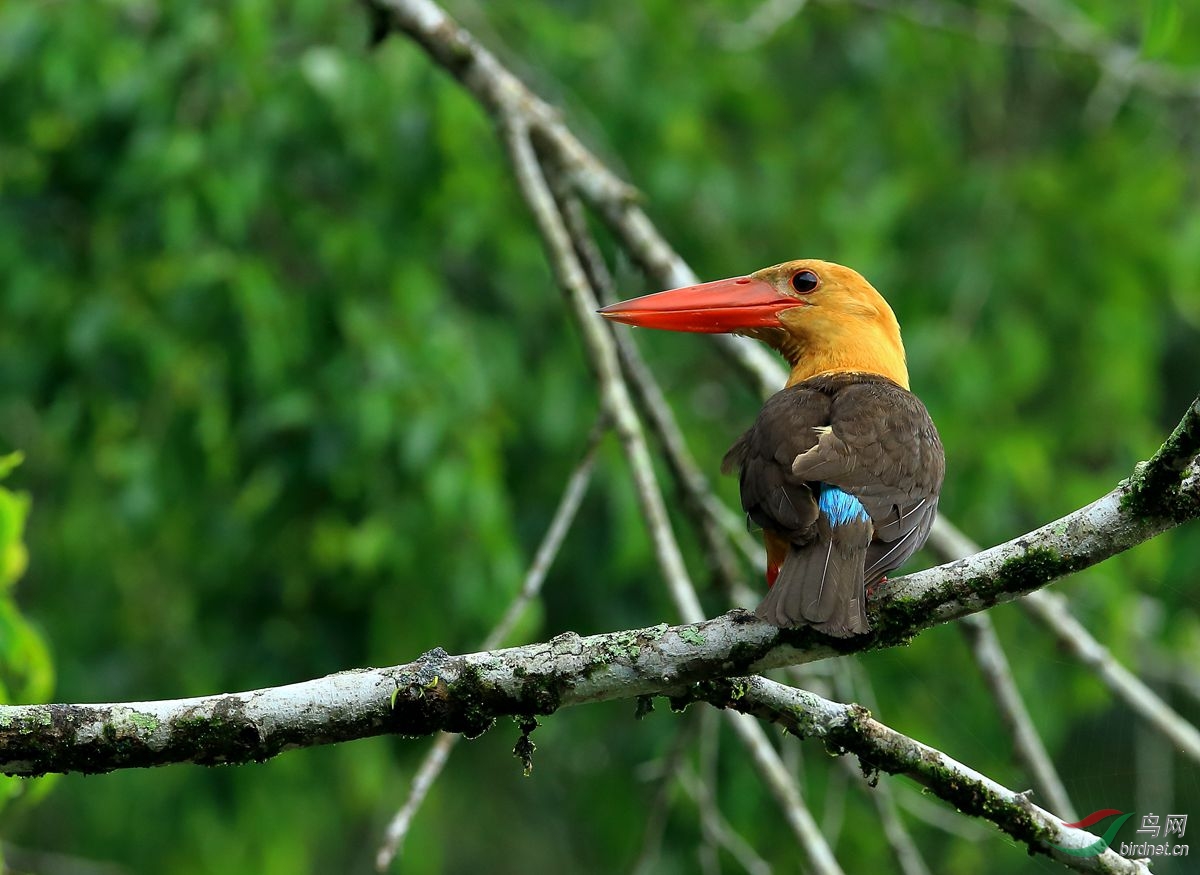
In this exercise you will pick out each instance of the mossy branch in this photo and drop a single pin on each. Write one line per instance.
(468, 693)
(1157, 488)
(850, 729)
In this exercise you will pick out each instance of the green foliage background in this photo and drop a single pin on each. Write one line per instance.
(296, 391)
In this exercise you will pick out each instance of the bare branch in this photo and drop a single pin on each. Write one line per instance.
(698, 499)
(762, 24)
(908, 856)
(616, 402)
(1052, 610)
(505, 97)
(665, 771)
(426, 775)
(603, 358)
(466, 693)
(780, 784)
(1121, 66)
(1161, 484)
(556, 533)
(997, 675)
(925, 808)
(1027, 743)
(1121, 62)
(717, 828)
(851, 729)
(905, 849)
(954, 18)
(572, 279)
(1104, 528)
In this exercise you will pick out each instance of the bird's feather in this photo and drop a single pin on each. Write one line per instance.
(865, 435)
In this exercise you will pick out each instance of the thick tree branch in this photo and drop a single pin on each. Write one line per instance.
(1157, 486)
(1104, 528)
(467, 693)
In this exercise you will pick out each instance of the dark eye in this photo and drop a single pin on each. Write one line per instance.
(805, 281)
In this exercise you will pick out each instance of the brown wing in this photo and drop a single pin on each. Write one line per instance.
(884, 449)
(772, 496)
(860, 432)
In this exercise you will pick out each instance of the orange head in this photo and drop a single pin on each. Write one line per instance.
(820, 316)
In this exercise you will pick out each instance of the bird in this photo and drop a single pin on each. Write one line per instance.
(843, 467)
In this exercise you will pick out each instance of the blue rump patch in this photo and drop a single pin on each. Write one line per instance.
(841, 507)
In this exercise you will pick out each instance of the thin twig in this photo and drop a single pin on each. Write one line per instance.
(614, 200)
(925, 808)
(903, 847)
(1028, 748)
(1078, 33)
(781, 786)
(693, 486)
(761, 24)
(708, 754)
(556, 533)
(905, 850)
(952, 18)
(1153, 762)
(717, 828)
(656, 812)
(833, 818)
(424, 778)
(435, 760)
(616, 402)
(1053, 611)
(992, 662)
(602, 356)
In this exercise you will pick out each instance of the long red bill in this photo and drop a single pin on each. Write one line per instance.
(718, 307)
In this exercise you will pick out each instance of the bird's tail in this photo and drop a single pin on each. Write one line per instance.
(822, 584)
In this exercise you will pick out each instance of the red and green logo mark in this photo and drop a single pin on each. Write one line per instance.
(1158, 843)
(1100, 845)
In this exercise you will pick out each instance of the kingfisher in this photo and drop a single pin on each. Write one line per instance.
(843, 467)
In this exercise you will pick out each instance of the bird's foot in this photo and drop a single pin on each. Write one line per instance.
(873, 588)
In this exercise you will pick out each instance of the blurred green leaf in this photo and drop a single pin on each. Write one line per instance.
(1161, 25)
